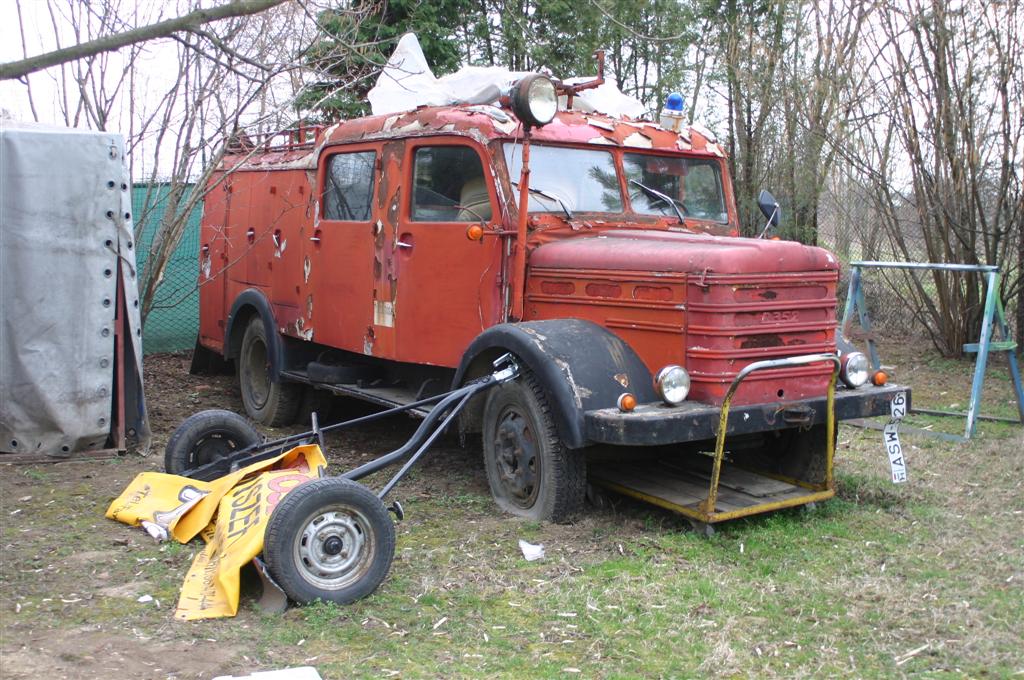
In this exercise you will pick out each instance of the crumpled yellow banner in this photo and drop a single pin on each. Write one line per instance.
(230, 513)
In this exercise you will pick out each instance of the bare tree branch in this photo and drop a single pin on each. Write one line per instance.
(109, 43)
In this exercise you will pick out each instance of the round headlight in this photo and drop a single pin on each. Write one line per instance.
(855, 369)
(534, 100)
(672, 384)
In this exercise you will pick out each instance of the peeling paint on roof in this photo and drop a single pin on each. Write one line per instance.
(704, 132)
(603, 125)
(638, 140)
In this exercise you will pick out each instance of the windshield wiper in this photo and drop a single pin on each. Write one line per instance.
(550, 197)
(664, 197)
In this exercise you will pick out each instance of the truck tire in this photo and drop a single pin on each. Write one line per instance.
(267, 402)
(530, 471)
(206, 436)
(329, 539)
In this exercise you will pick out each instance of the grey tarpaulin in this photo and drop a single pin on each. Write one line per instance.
(65, 224)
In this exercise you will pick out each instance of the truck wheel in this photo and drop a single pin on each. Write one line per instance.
(531, 473)
(206, 436)
(268, 402)
(329, 539)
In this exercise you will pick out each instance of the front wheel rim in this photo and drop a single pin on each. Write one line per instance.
(335, 547)
(517, 458)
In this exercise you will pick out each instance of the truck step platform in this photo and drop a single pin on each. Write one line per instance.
(388, 396)
(681, 484)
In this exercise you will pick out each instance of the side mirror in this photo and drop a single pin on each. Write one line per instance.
(770, 207)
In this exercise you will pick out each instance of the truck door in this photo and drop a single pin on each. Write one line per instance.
(262, 217)
(338, 253)
(446, 285)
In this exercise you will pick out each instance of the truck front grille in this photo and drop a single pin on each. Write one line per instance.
(736, 319)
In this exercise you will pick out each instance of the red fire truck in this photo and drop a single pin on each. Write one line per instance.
(393, 257)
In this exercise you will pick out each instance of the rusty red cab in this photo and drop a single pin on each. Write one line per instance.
(388, 258)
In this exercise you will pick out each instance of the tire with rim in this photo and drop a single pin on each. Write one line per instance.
(530, 472)
(206, 436)
(329, 539)
(267, 402)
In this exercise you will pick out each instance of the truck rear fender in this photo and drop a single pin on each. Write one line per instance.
(252, 302)
(580, 365)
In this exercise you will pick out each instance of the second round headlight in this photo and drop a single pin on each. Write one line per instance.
(672, 384)
(854, 371)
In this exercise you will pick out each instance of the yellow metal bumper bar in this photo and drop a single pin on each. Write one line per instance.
(707, 506)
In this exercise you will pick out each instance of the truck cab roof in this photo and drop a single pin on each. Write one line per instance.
(484, 124)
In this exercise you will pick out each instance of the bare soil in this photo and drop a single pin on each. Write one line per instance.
(42, 561)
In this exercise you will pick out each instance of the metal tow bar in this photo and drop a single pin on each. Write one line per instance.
(331, 538)
(449, 405)
(707, 506)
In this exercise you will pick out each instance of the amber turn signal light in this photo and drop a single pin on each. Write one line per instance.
(627, 402)
(880, 378)
(475, 232)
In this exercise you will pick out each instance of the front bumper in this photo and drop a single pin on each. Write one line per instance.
(658, 424)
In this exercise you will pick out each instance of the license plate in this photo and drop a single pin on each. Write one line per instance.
(891, 439)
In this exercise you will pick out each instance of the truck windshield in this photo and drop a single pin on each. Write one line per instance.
(585, 180)
(695, 183)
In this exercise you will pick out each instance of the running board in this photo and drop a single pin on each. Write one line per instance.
(388, 397)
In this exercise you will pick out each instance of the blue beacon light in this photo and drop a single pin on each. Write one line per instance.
(672, 115)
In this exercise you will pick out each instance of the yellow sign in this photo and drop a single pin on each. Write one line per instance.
(230, 513)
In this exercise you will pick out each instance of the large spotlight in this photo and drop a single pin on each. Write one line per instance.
(534, 100)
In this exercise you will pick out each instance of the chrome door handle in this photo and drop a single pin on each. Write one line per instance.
(402, 244)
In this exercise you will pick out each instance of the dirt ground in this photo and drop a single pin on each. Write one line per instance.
(63, 579)
(70, 580)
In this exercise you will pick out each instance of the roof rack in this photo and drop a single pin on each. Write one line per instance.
(291, 139)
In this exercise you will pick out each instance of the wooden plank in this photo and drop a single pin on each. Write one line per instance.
(678, 491)
(743, 481)
(687, 485)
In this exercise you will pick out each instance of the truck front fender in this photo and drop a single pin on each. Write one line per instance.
(252, 302)
(580, 365)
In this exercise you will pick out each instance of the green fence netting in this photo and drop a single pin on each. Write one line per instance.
(173, 322)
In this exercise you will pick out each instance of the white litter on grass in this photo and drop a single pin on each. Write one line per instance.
(531, 551)
(155, 530)
(144, 599)
(298, 673)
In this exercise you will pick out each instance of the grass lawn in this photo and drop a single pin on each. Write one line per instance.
(925, 578)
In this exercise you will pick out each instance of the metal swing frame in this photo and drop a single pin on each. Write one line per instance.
(994, 319)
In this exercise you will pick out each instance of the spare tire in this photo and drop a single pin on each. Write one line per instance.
(206, 436)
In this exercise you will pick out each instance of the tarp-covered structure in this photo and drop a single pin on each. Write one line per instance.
(407, 82)
(70, 332)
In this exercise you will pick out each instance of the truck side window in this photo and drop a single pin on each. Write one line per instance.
(449, 185)
(349, 186)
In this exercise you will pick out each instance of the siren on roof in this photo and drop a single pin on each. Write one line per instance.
(672, 115)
